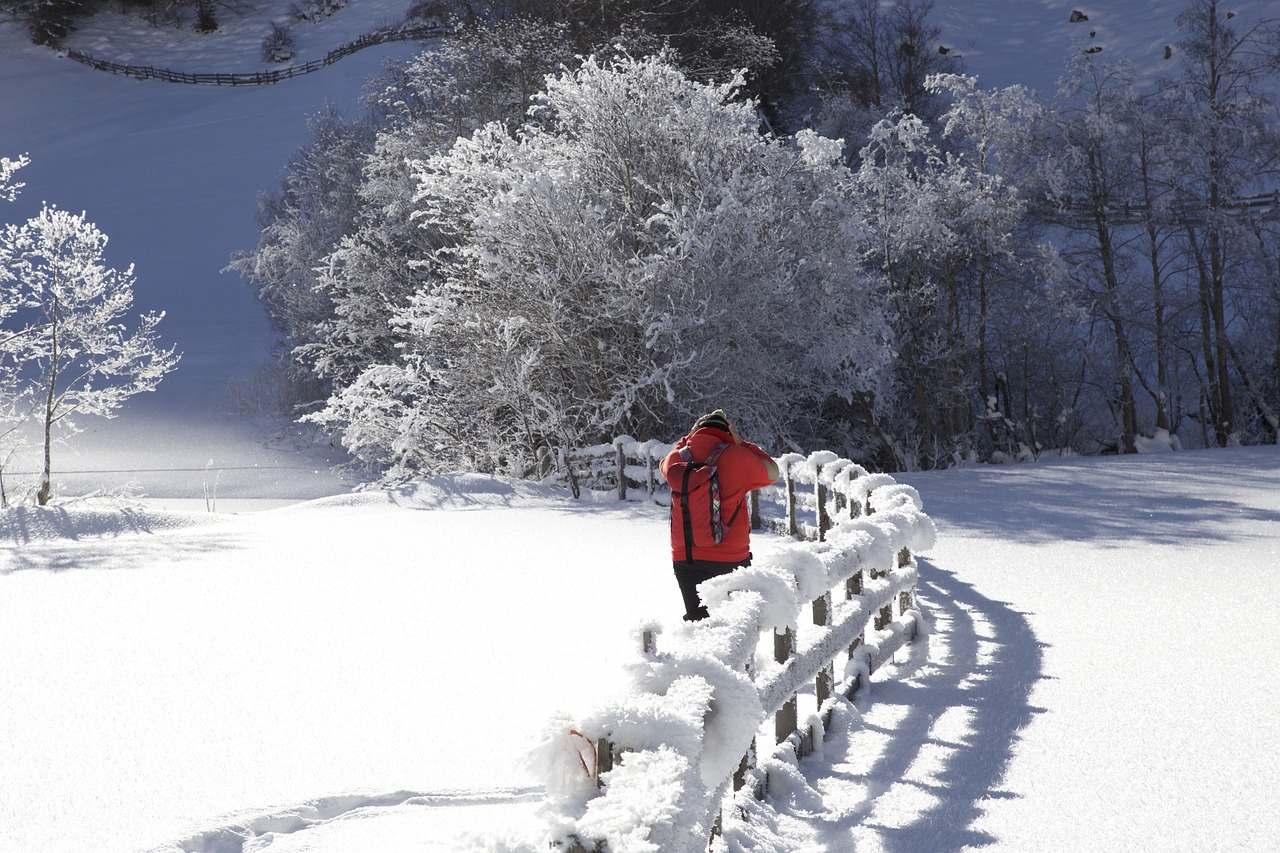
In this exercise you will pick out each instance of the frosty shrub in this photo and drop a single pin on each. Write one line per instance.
(338, 255)
(636, 253)
(315, 10)
(9, 188)
(279, 45)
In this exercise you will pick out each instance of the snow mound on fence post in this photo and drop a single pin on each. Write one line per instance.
(777, 587)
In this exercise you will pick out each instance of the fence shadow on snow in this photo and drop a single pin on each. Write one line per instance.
(985, 658)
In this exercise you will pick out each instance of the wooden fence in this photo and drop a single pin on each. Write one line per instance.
(851, 570)
(260, 78)
(1072, 211)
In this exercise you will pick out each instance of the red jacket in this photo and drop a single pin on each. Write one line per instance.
(740, 469)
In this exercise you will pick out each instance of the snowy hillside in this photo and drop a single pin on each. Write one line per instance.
(172, 175)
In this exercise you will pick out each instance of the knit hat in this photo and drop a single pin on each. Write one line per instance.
(716, 420)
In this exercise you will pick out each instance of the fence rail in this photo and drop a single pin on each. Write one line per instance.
(260, 78)
(1264, 205)
(839, 598)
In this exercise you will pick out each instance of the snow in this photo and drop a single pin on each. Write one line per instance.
(368, 672)
(1011, 42)
(160, 675)
(1096, 649)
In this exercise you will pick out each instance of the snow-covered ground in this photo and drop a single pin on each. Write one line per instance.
(165, 671)
(364, 673)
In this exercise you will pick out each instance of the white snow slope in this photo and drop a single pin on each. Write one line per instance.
(364, 673)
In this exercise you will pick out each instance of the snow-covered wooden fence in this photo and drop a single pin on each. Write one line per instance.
(259, 78)
(806, 501)
(681, 746)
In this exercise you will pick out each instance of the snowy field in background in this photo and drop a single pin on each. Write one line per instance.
(1008, 42)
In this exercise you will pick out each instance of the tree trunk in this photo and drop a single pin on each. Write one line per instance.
(1111, 280)
(46, 480)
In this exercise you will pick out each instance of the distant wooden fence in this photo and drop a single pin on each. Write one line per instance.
(1074, 211)
(260, 78)
(855, 572)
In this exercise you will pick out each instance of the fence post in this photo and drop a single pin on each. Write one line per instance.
(648, 465)
(622, 473)
(786, 721)
(904, 599)
(604, 759)
(749, 758)
(827, 675)
(792, 529)
(748, 761)
(852, 588)
(824, 521)
(573, 478)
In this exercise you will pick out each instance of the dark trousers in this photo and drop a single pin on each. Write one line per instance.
(690, 573)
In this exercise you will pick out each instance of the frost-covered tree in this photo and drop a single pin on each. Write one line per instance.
(9, 188)
(316, 206)
(986, 282)
(78, 355)
(1172, 265)
(1097, 176)
(637, 253)
(947, 238)
(338, 256)
(1227, 92)
(868, 58)
(14, 399)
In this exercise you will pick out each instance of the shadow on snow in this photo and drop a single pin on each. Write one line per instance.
(53, 539)
(992, 663)
(1176, 498)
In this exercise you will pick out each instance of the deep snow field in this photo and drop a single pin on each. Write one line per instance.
(353, 674)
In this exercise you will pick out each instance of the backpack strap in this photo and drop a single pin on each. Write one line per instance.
(713, 484)
(715, 497)
(684, 507)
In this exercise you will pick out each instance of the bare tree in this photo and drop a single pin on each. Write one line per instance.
(1227, 89)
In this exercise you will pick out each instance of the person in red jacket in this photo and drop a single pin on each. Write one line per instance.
(740, 467)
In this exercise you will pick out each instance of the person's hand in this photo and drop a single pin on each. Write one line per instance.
(733, 433)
